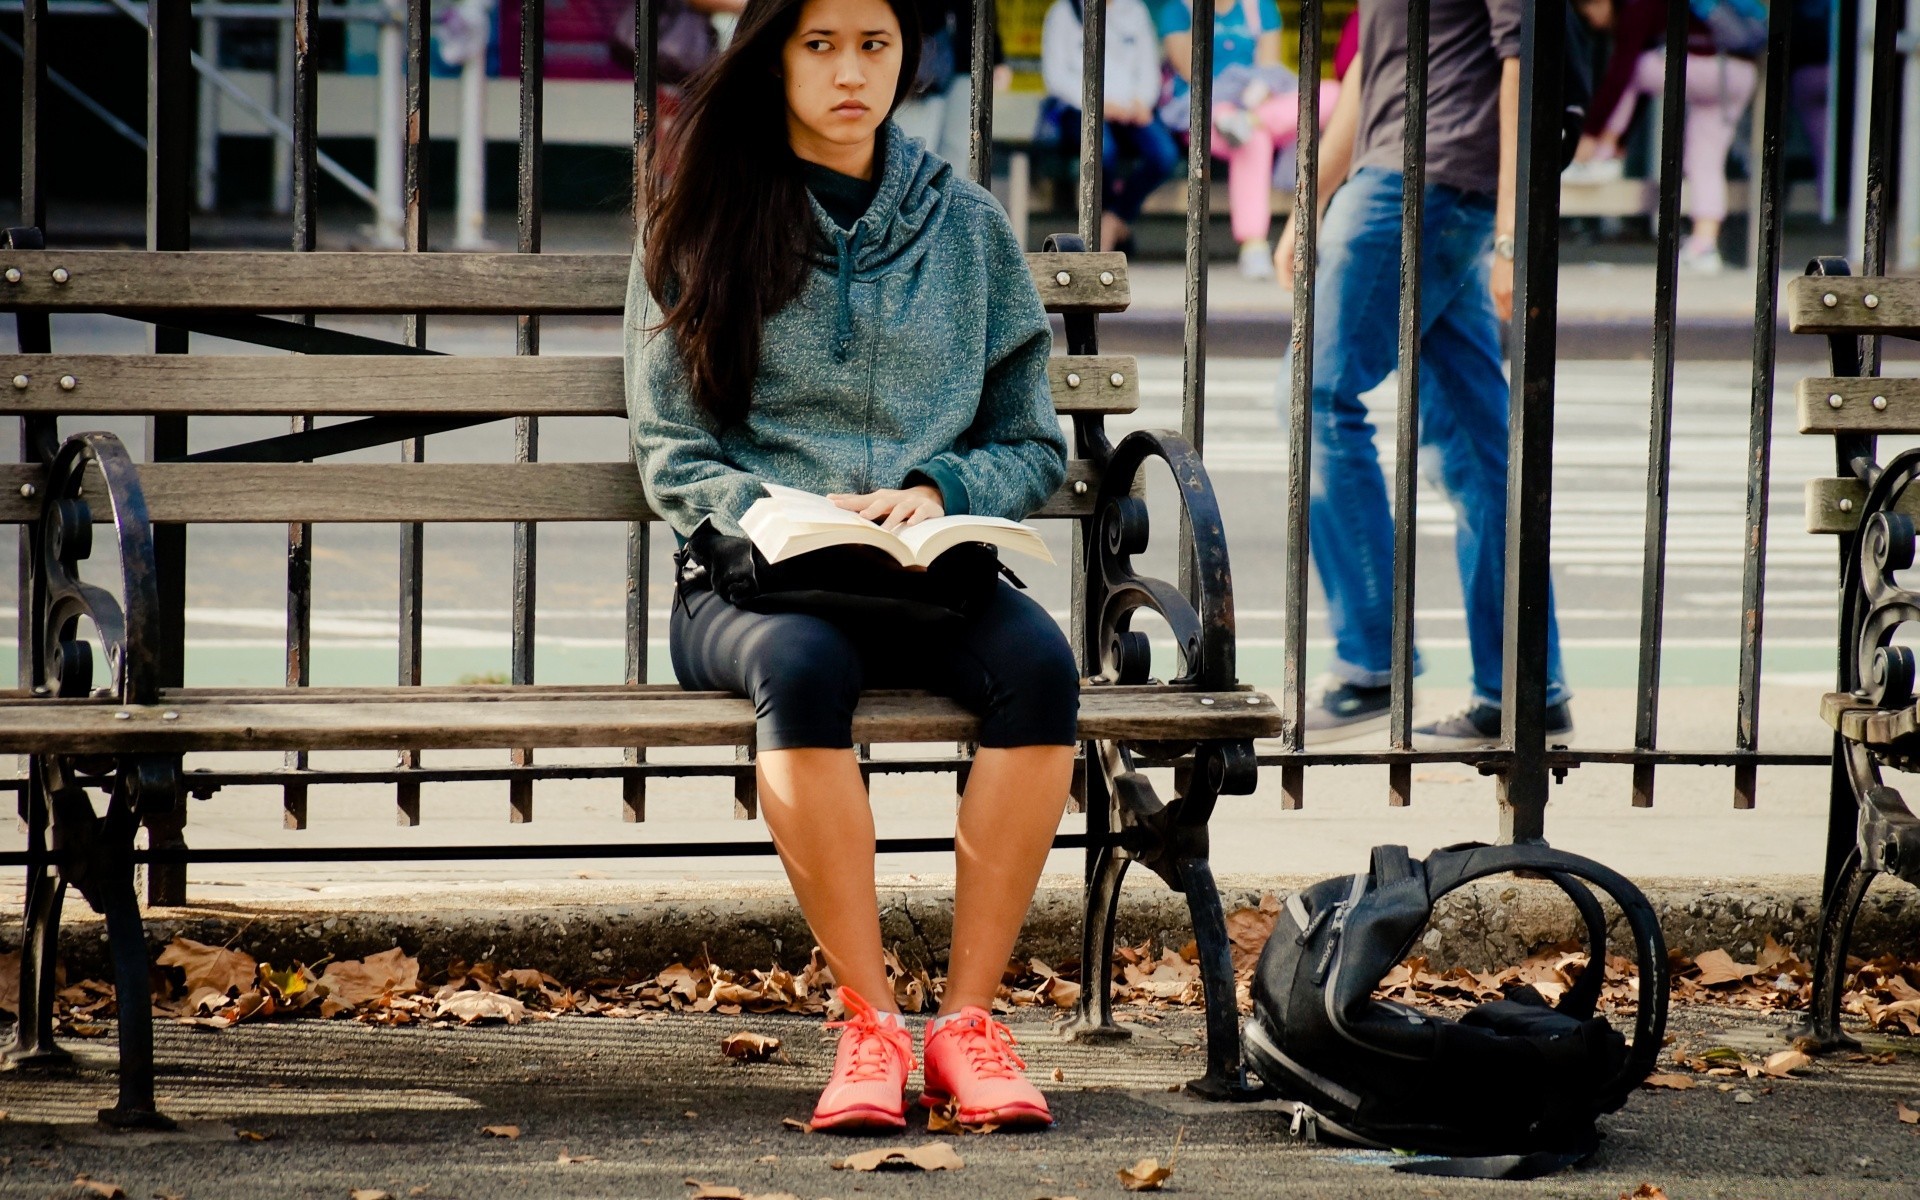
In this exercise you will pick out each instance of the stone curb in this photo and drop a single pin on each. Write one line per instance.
(576, 932)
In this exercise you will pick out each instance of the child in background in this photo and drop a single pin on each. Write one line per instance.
(1137, 152)
(1256, 109)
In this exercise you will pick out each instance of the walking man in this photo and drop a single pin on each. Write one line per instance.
(1466, 260)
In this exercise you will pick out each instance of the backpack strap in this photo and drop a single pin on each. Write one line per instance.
(1452, 868)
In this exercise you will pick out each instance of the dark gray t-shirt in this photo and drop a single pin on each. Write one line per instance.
(1468, 39)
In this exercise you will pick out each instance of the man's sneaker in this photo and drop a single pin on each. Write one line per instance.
(971, 1063)
(1478, 725)
(1343, 710)
(869, 1082)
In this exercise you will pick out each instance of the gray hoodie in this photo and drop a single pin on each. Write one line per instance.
(919, 350)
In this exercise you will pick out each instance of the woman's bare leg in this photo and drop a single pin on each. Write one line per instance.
(1007, 822)
(816, 806)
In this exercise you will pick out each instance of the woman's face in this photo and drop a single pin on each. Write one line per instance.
(841, 67)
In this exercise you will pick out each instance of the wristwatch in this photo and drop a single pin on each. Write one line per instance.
(1504, 247)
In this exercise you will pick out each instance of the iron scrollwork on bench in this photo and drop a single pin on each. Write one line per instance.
(1168, 837)
(76, 844)
(1874, 714)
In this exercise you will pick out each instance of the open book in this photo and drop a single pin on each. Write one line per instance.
(789, 522)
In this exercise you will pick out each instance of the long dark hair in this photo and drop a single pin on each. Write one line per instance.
(729, 232)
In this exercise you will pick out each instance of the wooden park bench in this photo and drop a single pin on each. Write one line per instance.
(112, 729)
(1872, 507)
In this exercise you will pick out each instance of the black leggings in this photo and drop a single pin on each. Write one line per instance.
(1011, 666)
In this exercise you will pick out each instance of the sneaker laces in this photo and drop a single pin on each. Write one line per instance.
(875, 1042)
(989, 1047)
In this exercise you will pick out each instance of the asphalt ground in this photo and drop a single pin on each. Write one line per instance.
(643, 1106)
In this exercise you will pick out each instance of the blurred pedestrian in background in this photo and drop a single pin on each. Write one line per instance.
(1137, 152)
(1724, 39)
(940, 110)
(1256, 109)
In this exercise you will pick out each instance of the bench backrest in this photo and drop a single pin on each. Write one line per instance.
(1858, 405)
(397, 390)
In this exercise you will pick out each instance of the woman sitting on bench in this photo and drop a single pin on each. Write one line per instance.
(820, 303)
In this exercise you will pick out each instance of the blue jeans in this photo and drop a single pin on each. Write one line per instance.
(1148, 154)
(1463, 421)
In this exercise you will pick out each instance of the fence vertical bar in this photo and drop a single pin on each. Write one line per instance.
(33, 90)
(1666, 284)
(1093, 92)
(1306, 219)
(980, 135)
(1406, 462)
(1766, 274)
(1193, 366)
(1523, 789)
(526, 430)
(414, 172)
(633, 787)
(38, 438)
(170, 145)
(33, 334)
(1882, 124)
(304, 165)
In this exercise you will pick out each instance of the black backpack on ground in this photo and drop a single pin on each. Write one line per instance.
(1512, 1087)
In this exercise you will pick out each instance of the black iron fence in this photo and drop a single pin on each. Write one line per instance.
(1523, 762)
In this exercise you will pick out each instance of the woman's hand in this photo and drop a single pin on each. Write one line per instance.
(895, 508)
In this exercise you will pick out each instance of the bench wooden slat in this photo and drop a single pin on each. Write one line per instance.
(1825, 496)
(377, 384)
(1899, 411)
(222, 281)
(374, 493)
(82, 727)
(1896, 307)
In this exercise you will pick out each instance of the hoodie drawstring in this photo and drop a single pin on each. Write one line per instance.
(843, 318)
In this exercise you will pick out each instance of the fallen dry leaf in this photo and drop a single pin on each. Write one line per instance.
(1148, 1175)
(567, 1160)
(509, 1132)
(370, 1194)
(715, 1191)
(934, 1156)
(794, 1123)
(1059, 1076)
(749, 1047)
(99, 1187)
(946, 1119)
(251, 1135)
(358, 981)
(210, 966)
(1717, 967)
(10, 982)
(473, 1007)
(1646, 1191)
(1907, 1115)
(1678, 1083)
(1780, 1065)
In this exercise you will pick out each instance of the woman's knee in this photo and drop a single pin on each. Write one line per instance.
(1034, 692)
(803, 676)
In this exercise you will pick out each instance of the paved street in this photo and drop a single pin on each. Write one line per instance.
(640, 1107)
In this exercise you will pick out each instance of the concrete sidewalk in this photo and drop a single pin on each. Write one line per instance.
(639, 1109)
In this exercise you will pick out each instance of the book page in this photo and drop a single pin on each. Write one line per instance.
(930, 539)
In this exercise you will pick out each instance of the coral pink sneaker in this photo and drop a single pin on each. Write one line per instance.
(970, 1060)
(868, 1086)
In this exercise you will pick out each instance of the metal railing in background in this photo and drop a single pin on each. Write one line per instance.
(1523, 763)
